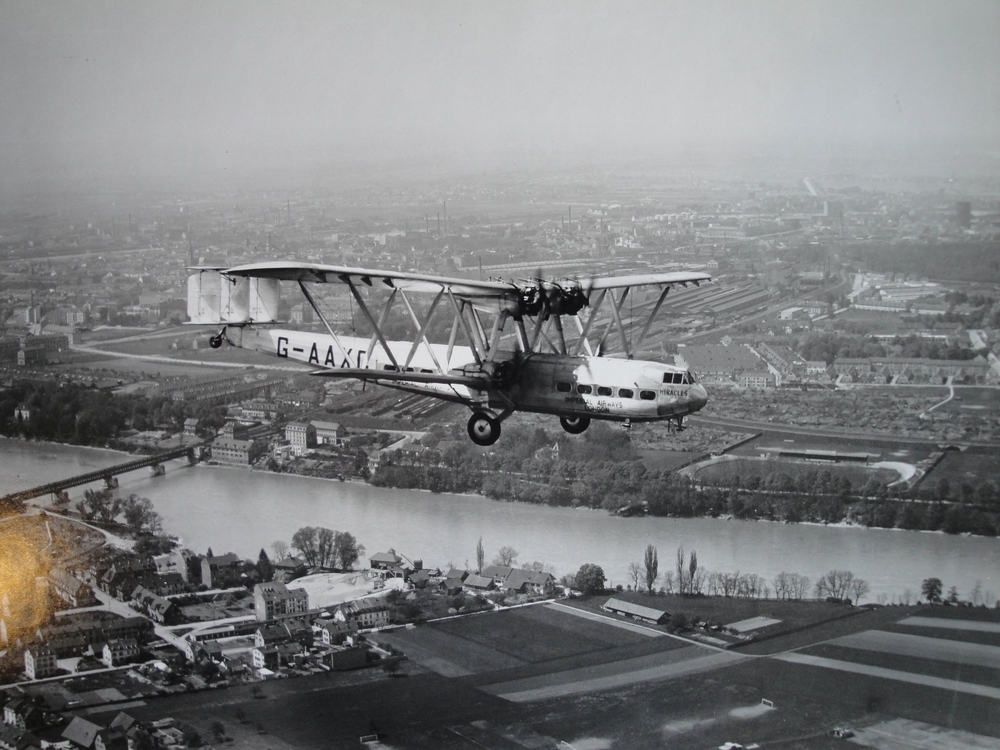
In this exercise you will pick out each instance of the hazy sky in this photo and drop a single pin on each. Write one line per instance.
(145, 86)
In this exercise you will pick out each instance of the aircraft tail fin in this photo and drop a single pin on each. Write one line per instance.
(215, 298)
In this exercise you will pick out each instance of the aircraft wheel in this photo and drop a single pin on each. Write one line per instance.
(215, 342)
(574, 425)
(484, 429)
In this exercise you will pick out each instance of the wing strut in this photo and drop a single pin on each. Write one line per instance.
(460, 317)
(422, 329)
(616, 313)
(376, 324)
(649, 320)
(585, 331)
(326, 324)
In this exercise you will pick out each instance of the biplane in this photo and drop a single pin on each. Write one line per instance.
(533, 346)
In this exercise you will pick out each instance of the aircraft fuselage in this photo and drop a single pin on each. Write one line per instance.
(565, 385)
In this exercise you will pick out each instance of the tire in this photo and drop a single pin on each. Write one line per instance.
(574, 425)
(215, 342)
(484, 429)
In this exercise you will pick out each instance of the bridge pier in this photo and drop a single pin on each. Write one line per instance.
(193, 456)
(60, 497)
(157, 470)
(111, 482)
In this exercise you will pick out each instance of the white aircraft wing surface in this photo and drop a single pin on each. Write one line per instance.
(647, 279)
(408, 282)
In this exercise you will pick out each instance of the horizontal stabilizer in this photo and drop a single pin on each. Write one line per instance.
(216, 298)
(470, 381)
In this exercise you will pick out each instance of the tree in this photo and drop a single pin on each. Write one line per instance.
(651, 563)
(480, 555)
(140, 516)
(692, 570)
(219, 730)
(681, 577)
(304, 541)
(590, 578)
(931, 589)
(506, 557)
(264, 567)
(325, 539)
(835, 585)
(858, 588)
(634, 574)
(953, 595)
(280, 550)
(346, 549)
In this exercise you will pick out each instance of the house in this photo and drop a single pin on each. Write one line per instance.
(191, 427)
(155, 606)
(454, 579)
(529, 582)
(120, 651)
(39, 662)
(265, 657)
(635, 611)
(270, 635)
(476, 584)
(235, 452)
(221, 570)
(390, 565)
(184, 562)
(301, 436)
(365, 613)
(81, 733)
(346, 658)
(329, 433)
(420, 578)
(289, 568)
(274, 599)
(71, 589)
(336, 632)
(111, 739)
(15, 738)
(24, 712)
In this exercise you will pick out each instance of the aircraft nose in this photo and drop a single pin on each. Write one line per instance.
(698, 396)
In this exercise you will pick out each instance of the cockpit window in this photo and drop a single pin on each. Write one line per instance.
(689, 377)
(626, 393)
(584, 389)
(603, 390)
(564, 387)
(671, 378)
(647, 395)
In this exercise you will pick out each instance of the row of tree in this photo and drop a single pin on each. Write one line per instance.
(105, 507)
(321, 547)
(688, 578)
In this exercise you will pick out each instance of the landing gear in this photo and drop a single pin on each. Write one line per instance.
(216, 341)
(574, 425)
(484, 429)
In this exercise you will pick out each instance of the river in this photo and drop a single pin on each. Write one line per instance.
(236, 510)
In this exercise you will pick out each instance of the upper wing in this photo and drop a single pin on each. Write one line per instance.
(647, 279)
(408, 282)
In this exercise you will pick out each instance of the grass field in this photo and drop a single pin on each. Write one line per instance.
(965, 467)
(725, 471)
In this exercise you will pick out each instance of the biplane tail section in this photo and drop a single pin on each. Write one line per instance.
(216, 298)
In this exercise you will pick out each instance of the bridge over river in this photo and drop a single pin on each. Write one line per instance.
(14, 503)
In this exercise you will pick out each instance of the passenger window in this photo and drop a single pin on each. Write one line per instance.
(563, 387)
(584, 389)
(647, 395)
(603, 390)
(625, 393)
